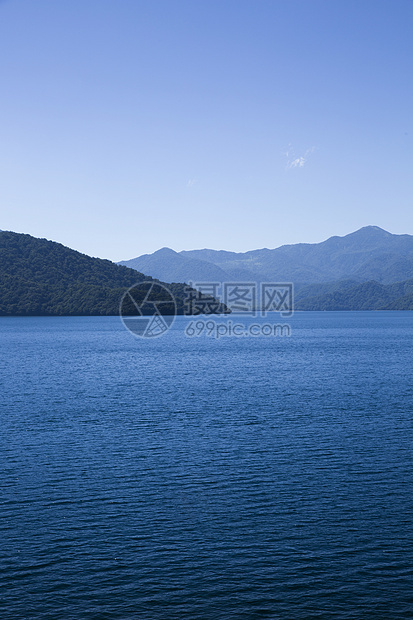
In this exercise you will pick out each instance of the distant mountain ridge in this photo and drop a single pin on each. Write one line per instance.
(177, 266)
(370, 253)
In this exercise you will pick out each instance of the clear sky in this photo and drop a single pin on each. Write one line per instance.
(128, 125)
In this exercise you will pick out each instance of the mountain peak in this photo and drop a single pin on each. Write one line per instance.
(372, 230)
(165, 252)
(363, 239)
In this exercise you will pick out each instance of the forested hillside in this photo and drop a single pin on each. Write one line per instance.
(40, 277)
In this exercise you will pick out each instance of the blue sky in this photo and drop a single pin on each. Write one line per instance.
(131, 125)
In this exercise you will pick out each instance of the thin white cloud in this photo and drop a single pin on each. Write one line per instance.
(294, 161)
(192, 182)
(297, 163)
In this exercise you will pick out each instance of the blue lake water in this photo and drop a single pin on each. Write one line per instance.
(207, 479)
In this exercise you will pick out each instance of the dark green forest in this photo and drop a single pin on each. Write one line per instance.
(348, 295)
(43, 278)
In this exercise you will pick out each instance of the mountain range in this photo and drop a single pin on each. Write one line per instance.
(370, 269)
(370, 253)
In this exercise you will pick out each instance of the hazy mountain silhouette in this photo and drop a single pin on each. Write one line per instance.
(370, 253)
(175, 267)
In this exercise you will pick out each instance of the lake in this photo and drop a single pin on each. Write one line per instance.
(204, 478)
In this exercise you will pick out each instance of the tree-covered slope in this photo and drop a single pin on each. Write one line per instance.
(366, 296)
(40, 277)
